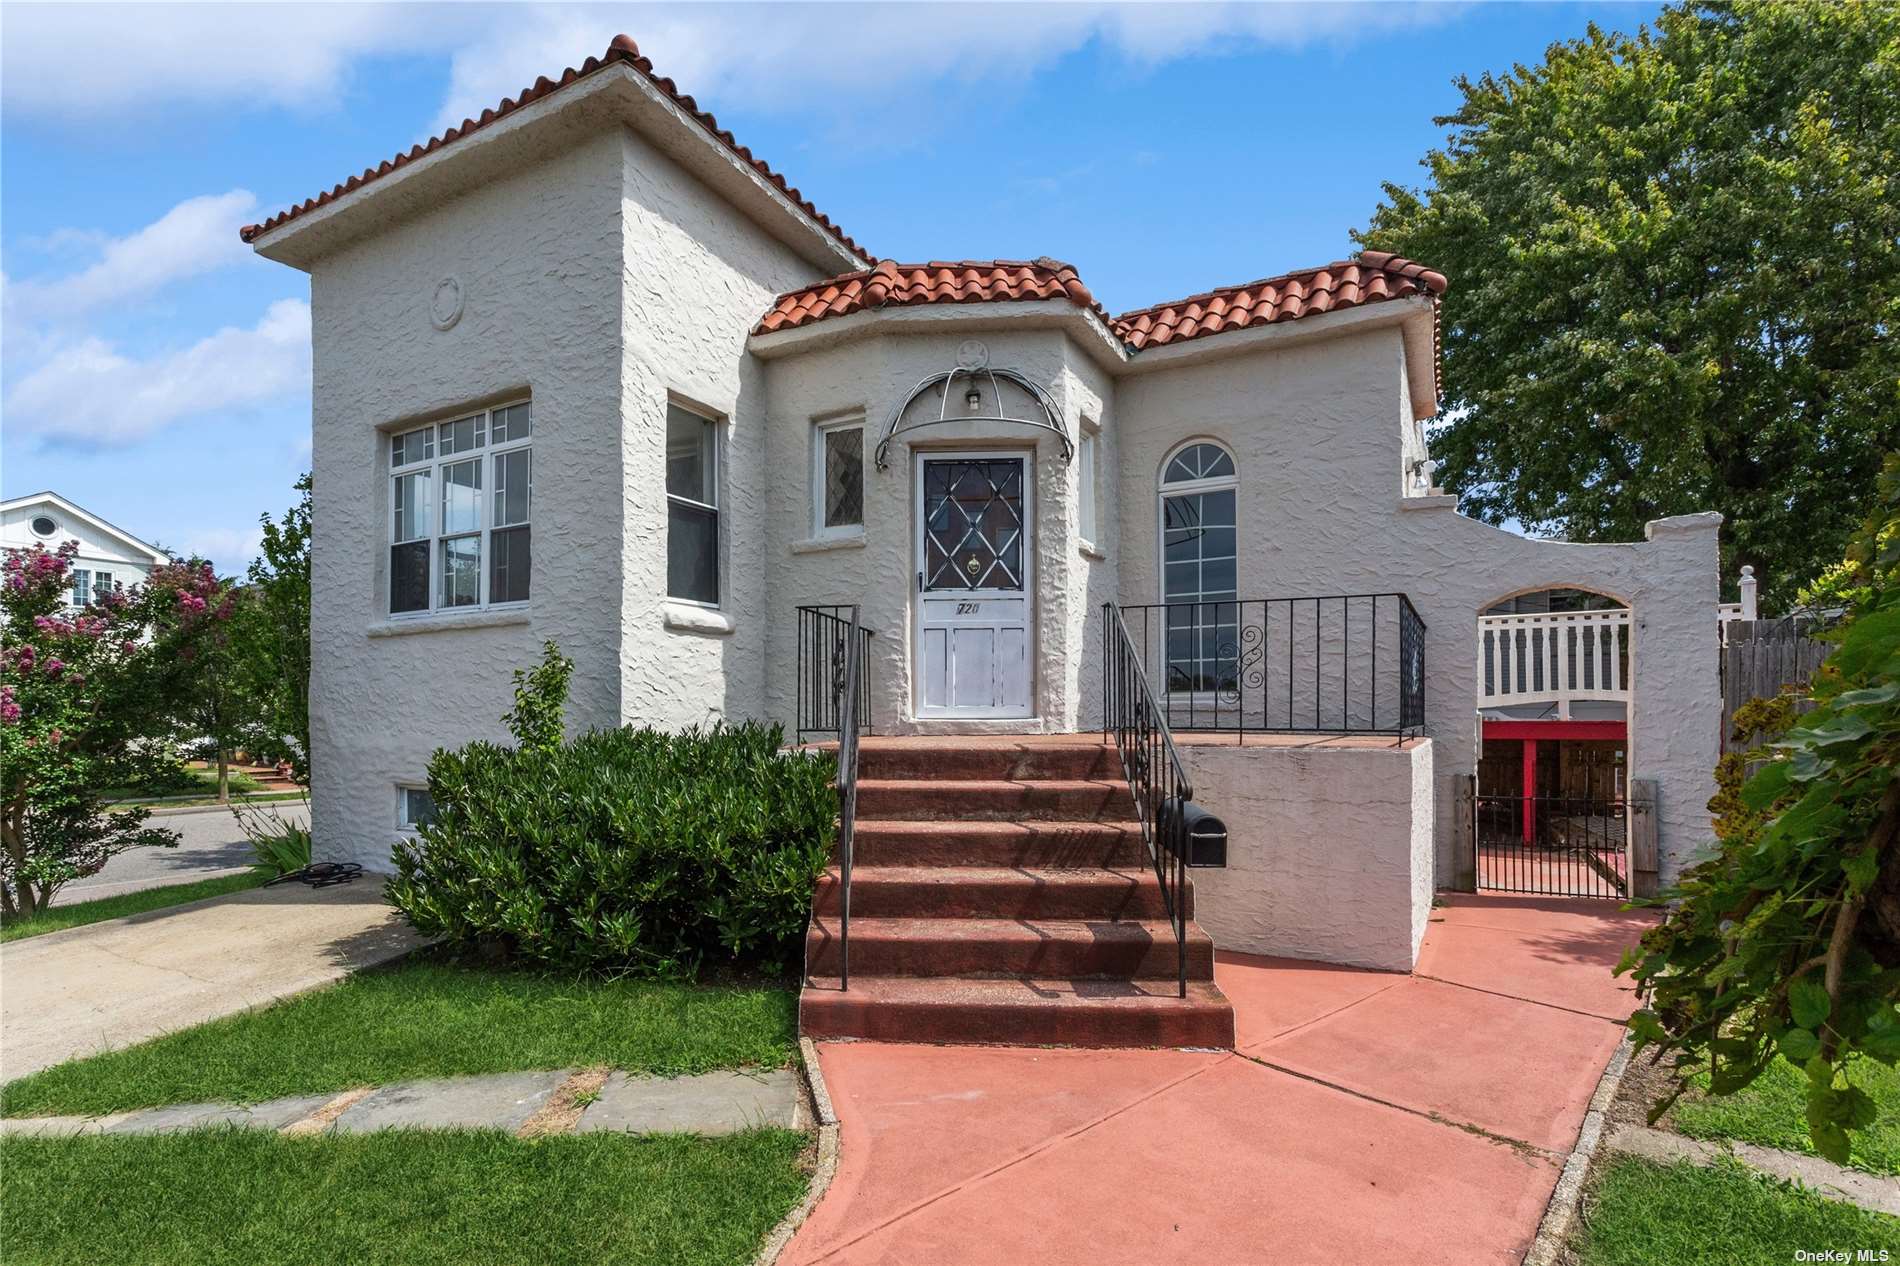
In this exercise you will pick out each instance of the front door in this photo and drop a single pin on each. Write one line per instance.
(973, 608)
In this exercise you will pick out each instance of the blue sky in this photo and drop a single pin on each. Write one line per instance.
(156, 373)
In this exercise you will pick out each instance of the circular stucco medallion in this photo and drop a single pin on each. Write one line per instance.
(445, 307)
(972, 354)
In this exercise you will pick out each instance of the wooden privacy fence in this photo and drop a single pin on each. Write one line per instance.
(1762, 658)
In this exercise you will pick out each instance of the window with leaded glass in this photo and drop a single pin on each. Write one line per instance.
(838, 478)
(459, 511)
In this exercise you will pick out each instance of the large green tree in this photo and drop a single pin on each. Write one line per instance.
(1675, 268)
(275, 633)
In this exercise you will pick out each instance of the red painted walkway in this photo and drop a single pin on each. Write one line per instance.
(1364, 1117)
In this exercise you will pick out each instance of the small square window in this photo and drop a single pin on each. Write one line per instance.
(414, 807)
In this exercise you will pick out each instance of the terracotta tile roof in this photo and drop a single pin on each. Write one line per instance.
(892, 284)
(1371, 277)
(623, 49)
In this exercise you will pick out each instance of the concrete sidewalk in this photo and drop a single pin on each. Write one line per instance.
(1364, 1117)
(110, 984)
(705, 1103)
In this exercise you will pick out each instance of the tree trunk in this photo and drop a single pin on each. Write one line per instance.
(224, 776)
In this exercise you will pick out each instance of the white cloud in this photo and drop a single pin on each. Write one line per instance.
(229, 549)
(89, 392)
(90, 61)
(828, 57)
(196, 236)
(806, 57)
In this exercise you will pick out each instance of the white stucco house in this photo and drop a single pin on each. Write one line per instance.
(588, 369)
(108, 557)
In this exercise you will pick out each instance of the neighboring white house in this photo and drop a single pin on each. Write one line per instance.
(109, 557)
(729, 410)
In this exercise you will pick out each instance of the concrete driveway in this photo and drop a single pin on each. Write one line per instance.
(110, 984)
(1364, 1117)
(209, 844)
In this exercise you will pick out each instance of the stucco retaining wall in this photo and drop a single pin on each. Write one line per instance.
(1329, 848)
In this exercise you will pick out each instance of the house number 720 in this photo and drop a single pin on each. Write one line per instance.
(968, 608)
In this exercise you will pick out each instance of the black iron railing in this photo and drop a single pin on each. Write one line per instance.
(824, 633)
(1138, 727)
(1339, 664)
(832, 646)
(1565, 846)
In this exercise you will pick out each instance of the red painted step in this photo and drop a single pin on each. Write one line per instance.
(994, 800)
(1048, 844)
(1070, 949)
(1007, 760)
(983, 892)
(1018, 1012)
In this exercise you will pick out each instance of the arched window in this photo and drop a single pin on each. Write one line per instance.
(1200, 552)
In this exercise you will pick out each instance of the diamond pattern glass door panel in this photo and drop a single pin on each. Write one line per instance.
(973, 524)
(973, 616)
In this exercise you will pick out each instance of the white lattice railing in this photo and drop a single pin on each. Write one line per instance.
(1553, 657)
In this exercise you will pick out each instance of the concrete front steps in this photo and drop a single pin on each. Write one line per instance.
(1002, 893)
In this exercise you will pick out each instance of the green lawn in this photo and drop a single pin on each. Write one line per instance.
(1771, 1113)
(1640, 1214)
(79, 912)
(427, 1019)
(227, 1196)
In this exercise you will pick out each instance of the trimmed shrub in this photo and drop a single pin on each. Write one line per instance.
(624, 850)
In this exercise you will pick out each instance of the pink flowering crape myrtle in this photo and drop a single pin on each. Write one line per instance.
(86, 697)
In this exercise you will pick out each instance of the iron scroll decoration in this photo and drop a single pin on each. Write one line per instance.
(973, 364)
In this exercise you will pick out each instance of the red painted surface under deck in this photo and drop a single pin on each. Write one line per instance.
(1364, 1117)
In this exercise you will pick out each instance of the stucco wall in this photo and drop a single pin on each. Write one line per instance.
(597, 282)
(877, 568)
(1320, 513)
(1329, 849)
(694, 276)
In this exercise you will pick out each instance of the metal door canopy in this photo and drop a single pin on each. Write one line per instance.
(973, 367)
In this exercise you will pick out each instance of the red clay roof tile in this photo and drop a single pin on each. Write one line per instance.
(892, 284)
(622, 49)
(1371, 277)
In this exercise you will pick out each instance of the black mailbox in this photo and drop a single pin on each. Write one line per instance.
(1199, 836)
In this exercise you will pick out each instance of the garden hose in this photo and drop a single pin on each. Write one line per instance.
(321, 874)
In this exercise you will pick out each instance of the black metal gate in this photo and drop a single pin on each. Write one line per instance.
(1566, 846)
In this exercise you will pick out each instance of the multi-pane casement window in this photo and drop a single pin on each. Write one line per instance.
(837, 479)
(459, 507)
(692, 506)
(1199, 559)
(88, 587)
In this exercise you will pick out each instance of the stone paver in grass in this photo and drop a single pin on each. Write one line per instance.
(274, 1115)
(502, 1101)
(709, 1103)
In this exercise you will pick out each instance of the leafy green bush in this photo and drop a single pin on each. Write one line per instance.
(1785, 941)
(622, 850)
(277, 845)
